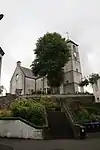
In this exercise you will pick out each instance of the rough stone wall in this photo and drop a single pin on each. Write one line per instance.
(5, 101)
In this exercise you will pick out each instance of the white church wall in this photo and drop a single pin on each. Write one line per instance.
(96, 91)
(29, 85)
(19, 83)
(77, 77)
(68, 66)
(76, 66)
(68, 77)
(39, 84)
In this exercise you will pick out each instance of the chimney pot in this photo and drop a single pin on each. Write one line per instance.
(19, 63)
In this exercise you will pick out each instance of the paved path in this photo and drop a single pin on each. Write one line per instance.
(87, 144)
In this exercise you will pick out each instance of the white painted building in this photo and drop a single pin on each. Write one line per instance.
(25, 82)
(72, 71)
(96, 91)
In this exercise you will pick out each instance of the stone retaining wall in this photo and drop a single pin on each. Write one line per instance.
(19, 129)
(5, 101)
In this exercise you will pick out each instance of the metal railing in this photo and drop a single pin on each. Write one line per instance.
(73, 122)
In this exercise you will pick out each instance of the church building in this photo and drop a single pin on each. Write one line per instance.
(24, 82)
(72, 71)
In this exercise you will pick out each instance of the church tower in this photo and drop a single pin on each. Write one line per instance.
(72, 71)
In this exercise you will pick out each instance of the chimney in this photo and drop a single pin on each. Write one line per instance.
(19, 63)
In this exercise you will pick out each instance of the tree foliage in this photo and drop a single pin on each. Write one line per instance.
(92, 79)
(82, 115)
(85, 82)
(52, 53)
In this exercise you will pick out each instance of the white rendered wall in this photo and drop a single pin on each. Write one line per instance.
(18, 129)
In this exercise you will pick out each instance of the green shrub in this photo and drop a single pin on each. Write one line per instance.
(94, 117)
(5, 113)
(48, 102)
(30, 110)
(82, 115)
(93, 110)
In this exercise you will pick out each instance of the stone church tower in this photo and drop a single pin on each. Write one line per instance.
(72, 70)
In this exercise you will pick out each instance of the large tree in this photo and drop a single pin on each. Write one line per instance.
(52, 52)
(92, 79)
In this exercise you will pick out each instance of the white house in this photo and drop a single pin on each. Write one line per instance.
(96, 91)
(23, 81)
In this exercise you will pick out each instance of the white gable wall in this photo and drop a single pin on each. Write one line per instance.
(96, 91)
(19, 84)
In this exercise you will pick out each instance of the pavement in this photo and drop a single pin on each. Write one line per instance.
(18, 144)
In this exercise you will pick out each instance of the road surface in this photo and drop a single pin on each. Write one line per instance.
(87, 144)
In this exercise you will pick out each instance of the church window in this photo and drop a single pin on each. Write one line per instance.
(17, 77)
(96, 87)
(77, 70)
(67, 81)
(74, 48)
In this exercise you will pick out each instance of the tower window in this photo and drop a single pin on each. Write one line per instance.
(96, 87)
(74, 48)
(67, 81)
(77, 70)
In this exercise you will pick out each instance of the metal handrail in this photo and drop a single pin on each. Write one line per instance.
(71, 116)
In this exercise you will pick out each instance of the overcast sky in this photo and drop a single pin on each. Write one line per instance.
(26, 20)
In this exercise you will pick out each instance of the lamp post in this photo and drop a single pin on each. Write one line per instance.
(1, 16)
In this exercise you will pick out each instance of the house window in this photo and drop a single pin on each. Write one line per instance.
(97, 99)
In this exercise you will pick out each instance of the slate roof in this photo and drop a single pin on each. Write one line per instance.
(71, 42)
(27, 72)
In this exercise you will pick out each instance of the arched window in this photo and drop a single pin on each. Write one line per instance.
(17, 77)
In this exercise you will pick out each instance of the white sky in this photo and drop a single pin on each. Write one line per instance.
(26, 20)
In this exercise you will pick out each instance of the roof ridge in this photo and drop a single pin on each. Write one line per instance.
(27, 72)
(25, 67)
